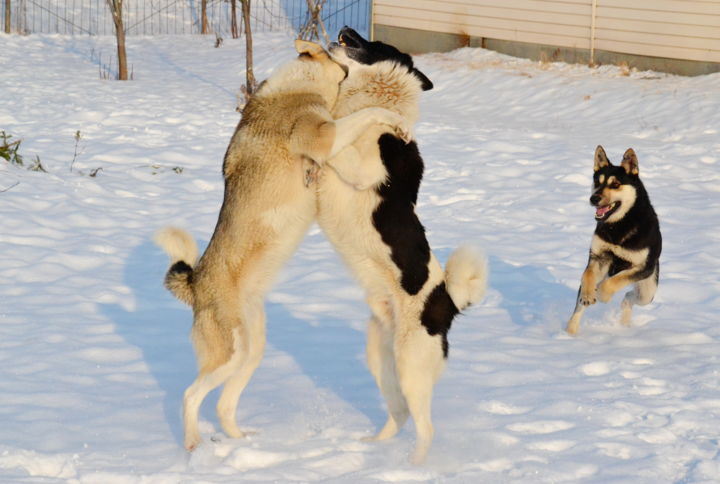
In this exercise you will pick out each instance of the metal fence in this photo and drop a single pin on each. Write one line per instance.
(175, 17)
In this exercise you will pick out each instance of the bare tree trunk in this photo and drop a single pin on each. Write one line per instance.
(250, 75)
(203, 17)
(233, 20)
(309, 31)
(116, 8)
(7, 16)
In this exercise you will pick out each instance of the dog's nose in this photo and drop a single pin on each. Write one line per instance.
(595, 199)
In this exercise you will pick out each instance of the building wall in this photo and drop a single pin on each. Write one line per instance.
(575, 30)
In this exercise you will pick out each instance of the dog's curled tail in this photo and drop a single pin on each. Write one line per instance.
(466, 276)
(183, 252)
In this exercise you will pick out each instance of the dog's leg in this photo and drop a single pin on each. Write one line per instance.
(194, 396)
(253, 336)
(381, 360)
(587, 294)
(319, 139)
(643, 293)
(419, 360)
(350, 127)
(217, 357)
(358, 169)
(613, 284)
(574, 323)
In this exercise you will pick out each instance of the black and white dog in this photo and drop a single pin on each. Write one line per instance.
(367, 210)
(626, 246)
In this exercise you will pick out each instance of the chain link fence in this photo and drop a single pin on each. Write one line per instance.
(175, 17)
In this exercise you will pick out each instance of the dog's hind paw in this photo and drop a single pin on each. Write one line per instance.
(191, 445)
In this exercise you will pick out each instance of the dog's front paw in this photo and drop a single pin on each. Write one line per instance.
(398, 125)
(404, 132)
(588, 296)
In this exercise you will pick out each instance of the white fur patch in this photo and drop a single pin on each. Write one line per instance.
(178, 244)
(626, 195)
(466, 276)
(635, 257)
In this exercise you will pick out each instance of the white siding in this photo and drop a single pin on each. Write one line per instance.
(681, 29)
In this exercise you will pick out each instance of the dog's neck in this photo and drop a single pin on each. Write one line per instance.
(385, 84)
(639, 219)
(296, 78)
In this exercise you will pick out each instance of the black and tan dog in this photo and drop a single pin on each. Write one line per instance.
(626, 245)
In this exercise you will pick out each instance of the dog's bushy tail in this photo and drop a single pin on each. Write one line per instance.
(466, 276)
(183, 252)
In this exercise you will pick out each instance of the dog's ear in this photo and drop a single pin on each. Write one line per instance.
(426, 83)
(630, 162)
(601, 159)
(309, 48)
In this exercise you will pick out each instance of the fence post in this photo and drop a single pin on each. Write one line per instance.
(371, 27)
(204, 29)
(7, 16)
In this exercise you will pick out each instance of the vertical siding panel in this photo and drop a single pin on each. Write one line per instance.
(680, 29)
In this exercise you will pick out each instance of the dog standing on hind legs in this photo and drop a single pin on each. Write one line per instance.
(268, 206)
(626, 246)
(366, 198)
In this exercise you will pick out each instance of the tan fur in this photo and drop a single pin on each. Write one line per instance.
(404, 359)
(595, 285)
(268, 206)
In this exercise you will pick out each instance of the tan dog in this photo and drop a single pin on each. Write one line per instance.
(286, 127)
(367, 210)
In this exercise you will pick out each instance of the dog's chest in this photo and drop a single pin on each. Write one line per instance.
(602, 247)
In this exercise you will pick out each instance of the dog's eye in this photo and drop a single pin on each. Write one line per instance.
(614, 185)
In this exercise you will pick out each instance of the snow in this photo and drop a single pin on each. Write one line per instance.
(95, 353)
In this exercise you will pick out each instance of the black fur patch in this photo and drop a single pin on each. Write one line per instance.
(180, 267)
(438, 314)
(638, 229)
(368, 53)
(395, 219)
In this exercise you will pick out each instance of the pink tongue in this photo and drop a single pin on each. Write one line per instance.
(602, 211)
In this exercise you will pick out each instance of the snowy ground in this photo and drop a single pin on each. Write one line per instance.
(95, 353)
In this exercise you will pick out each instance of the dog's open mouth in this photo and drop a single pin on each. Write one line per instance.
(347, 38)
(604, 211)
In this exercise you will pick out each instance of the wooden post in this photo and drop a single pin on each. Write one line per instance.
(250, 75)
(203, 17)
(233, 20)
(7, 16)
(116, 8)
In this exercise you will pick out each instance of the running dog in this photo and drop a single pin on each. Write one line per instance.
(268, 205)
(366, 203)
(626, 246)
